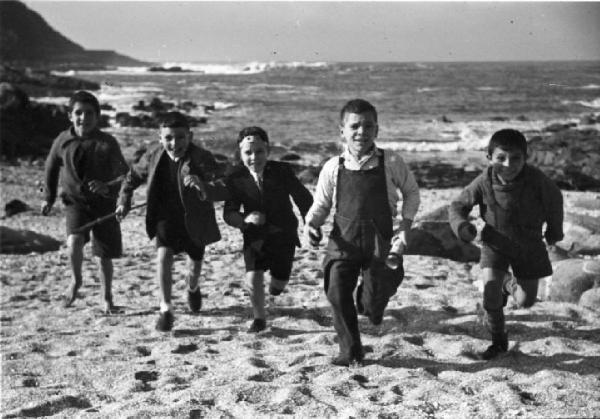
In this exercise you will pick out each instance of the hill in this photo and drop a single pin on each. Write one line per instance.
(26, 39)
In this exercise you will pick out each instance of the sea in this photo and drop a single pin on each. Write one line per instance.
(421, 106)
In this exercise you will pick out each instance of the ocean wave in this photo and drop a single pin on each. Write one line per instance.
(428, 89)
(242, 68)
(488, 89)
(590, 87)
(590, 104)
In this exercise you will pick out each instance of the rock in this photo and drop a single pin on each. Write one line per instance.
(587, 120)
(15, 207)
(435, 238)
(438, 214)
(25, 241)
(580, 240)
(290, 157)
(591, 299)
(570, 280)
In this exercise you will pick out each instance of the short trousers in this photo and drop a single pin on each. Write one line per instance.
(173, 234)
(532, 263)
(106, 236)
(275, 255)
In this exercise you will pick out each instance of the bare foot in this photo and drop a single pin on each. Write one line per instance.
(110, 308)
(71, 294)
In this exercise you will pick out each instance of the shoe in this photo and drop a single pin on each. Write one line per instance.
(258, 325)
(275, 291)
(499, 345)
(194, 299)
(165, 321)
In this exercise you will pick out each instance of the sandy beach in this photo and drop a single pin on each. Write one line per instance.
(421, 361)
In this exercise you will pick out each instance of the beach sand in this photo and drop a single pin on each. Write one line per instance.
(421, 362)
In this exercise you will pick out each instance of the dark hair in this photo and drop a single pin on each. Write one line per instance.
(82, 96)
(507, 139)
(174, 120)
(358, 106)
(255, 132)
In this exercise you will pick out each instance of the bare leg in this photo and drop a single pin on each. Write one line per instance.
(255, 284)
(75, 244)
(106, 275)
(164, 276)
(194, 269)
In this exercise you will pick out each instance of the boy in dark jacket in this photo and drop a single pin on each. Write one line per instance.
(182, 185)
(263, 187)
(89, 164)
(515, 201)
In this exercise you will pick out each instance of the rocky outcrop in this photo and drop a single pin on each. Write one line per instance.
(572, 278)
(569, 154)
(25, 241)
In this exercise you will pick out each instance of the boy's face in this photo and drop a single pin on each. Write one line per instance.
(84, 118)
(175, 141)
(254, 152)
(359, 131)
(507, 163)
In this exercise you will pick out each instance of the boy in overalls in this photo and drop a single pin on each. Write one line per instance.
(362, 185)
(515, 200)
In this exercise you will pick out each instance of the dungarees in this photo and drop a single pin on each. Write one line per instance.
(359, 241)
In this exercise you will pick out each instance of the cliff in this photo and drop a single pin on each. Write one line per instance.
(26, 39)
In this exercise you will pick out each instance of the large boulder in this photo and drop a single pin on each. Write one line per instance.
(573, 277)
(582, 234)
(25, 241)
(435, 238)
(591, 299)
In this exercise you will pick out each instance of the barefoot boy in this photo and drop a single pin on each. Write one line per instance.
(88, 163)
(515, 200)
(362, 185)
(263, 187)
(182, 186)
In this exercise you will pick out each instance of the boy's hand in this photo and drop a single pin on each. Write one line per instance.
(313, 234)
(399, 242)
(46, 207)
(193, 181)
(98, 187)
(121, 212)
(256, 218)
(467, 232)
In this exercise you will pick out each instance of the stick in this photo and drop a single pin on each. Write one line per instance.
(102, 219)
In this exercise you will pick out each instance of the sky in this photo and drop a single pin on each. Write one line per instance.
(198, 31)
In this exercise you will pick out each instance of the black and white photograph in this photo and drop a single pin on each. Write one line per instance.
(299, 209)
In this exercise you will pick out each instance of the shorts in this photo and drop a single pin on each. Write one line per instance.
(174, 235)
(274, 254)
(106, 236)
(532, 262)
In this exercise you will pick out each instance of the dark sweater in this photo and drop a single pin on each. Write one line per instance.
(517, 210)
(78, 160)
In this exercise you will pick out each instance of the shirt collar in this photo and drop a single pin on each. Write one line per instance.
(368, 156)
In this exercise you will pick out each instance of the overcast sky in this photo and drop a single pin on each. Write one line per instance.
(331, 31)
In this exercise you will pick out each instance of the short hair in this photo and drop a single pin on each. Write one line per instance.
(358, 106)
(254, 132)
(173, 119)
(82, 96)
(507, 139)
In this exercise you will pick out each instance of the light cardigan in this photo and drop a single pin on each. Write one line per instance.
(398, 178)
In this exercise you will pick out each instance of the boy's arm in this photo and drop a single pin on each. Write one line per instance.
(552, 200)
(405, 181)
(460, 208)
(119, 169)
(51, 173)
(301, 196)
(137, 174)
(323, 199)
(214, 181)
(231, 209)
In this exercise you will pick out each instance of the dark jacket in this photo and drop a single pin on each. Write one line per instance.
(517, 211)
(77, 160)
(200, 219)
(279, 183)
